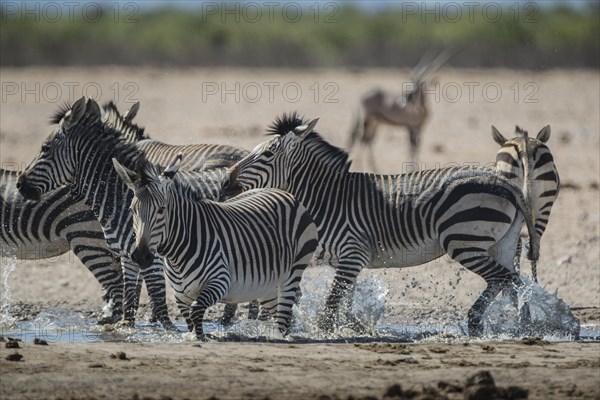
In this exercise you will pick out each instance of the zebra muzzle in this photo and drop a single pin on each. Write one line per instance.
(142, 257)
(230, 187)
(27, 190)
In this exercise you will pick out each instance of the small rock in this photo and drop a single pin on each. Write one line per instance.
(482, 393)
(394, 391)
(14, 357)
(12, 344)
(530, 341)
(489, 349)
(438, 350)
(95, 365)
(517, 392)
(448, 387)
(119, 355)
(481, 378)
(39, 341)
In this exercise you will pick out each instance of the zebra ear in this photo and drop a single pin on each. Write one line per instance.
(303, 130)
(94, 110)
(131, 178)
(130, 115)
(74, 115)
(172, 169)
(498, 138)
(544, 134)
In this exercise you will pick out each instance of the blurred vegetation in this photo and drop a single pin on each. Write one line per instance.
(347, 36)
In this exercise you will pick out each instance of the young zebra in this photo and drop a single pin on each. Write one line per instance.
(255, 246)
(53, 226)
(79, 153)
(472, 215)
(529, 164)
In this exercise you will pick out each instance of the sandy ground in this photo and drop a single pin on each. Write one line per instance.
(225, 106)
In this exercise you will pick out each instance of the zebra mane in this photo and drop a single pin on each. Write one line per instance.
(285, 123)
(150, 172)
(59, 114)
(521, 132)
(113, 117)
(327, 153)
(111, 141)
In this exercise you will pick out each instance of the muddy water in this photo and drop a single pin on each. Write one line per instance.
(362, 321)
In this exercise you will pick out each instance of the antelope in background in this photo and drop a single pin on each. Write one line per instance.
(408, 109)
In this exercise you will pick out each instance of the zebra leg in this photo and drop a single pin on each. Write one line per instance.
(253, 309)
(476, 258)
(184, 309)
(154, 278)
(517, 258)
(475, 315)
(132, 287)
(288, 293)
(106, 269)
(228, 313)
(352, 260)
(212, 292)
(524, 311)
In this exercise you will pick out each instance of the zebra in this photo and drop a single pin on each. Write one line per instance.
(255, 246)
(199, 158)
(78, 153)
(528, 163)
(363, 219)
(52, 227)
(57, 224)
(408, 109)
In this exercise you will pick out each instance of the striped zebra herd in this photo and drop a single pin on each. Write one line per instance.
(227, 225)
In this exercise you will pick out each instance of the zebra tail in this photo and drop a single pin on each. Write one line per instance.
(534, 239)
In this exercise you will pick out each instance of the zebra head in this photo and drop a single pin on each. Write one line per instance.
(149, 206)
(528, 162)
(55, 164)
(269, 165)
(523, 156)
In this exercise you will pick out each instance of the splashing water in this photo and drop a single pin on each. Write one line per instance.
(7, 266)
(361, 316)
(551, 317)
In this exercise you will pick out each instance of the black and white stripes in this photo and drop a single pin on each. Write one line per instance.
(392, 221)
(255, 246)
(53, 226)
(79, 153)
(529, 164)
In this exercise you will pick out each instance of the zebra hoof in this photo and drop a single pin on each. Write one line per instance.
(263, 315)
(326, 324)
(206, 337)
(169, 326)
(476, 331)
(113, 319)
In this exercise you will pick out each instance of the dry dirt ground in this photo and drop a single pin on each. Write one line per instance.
(233, 106)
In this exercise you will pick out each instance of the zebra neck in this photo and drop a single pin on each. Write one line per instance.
(108, 197)
(317, 188)
(185, 221)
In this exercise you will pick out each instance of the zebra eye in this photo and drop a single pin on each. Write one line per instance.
(160, 210)
(268, 153)
(45, 148)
